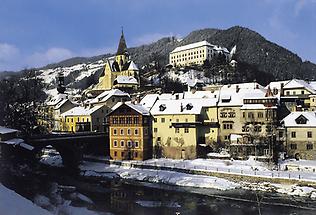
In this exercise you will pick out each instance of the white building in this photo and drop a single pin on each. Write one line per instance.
(196, 53)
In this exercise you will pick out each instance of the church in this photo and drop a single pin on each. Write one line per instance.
(119, 72)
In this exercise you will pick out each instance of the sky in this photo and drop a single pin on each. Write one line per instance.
(34, 33)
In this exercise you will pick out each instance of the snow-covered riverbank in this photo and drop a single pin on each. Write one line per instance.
(12, 203)
(125, 170)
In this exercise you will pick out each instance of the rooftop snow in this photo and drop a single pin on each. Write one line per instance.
(81, 111)
(290, 120)
(296, 83)
(180, 106)
(103, 97)
(137, 107)
(198, 44)
(121, 79)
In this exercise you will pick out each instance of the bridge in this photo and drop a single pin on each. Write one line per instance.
(71, 146)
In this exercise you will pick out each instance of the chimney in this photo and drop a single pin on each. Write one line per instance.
(177, 96)
(181, 108)
(257, 86)
(137, 99)
(282, 90)
(237, 88)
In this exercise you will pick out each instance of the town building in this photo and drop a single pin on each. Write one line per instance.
(119, 71)
(181, 127)
(298, 135)
(130, 132)
(196, 54)
(84, 118)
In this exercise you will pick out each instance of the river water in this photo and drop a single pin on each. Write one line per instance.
(53, 188)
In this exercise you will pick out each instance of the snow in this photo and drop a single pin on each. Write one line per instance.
(289, 120)
(106, 95)
(13, 204)
(132, 66)
(162, 176)
(121, 79)
(296, 83)
(179, 106)
(137, 107)
(14, 141)
(198, 44)
(81, 111)
(54, 160)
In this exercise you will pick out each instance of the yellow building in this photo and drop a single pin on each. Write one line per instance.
(299, 131)
(130, 132)
(181, 127)
(119, 71)
(84, 119)
(196, 54)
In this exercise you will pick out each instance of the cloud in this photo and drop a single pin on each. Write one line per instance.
(8, 52)
(8, 56)
(52, 55)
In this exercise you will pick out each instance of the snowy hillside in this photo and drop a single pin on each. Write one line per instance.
(77, 77)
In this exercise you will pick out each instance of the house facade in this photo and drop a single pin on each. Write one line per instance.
(130, 132)
(298, 133)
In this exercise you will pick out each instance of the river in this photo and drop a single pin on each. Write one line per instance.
(55, 188)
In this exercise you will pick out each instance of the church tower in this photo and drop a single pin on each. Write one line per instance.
(122, 55)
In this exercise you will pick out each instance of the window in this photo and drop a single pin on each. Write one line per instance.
(122, 154)
(302, 92)
(122, 120)
(136, 144)
(129, 131)
(309, 134)
(293, 134)
(135, 154)
(228, 126)
(122, 143)
(226, 137)
(177, 130)
(155, 119)
(155, 130)
(293, 146)
(186, 130)
(243, 114)
(260, 115)
(146, 131)
(136, 131)
(115, 153)
(162, 120)
(67, 120)
(250, 115)
(115, 143)
(129, 143)
(114, 132)
(72, 120)
(136, 120)
(309, 146)
(122, 132)
(287, 93)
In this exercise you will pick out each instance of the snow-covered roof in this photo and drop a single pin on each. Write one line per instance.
(191, 46)
(121, 79)
(290, 120)
(249, 86)
(132, 66)
(81, 111)
(137, 107)
(199, 44)
(201, 94)
(276, 84)
(104, 96)
(4, 130)
(296, 83)
(232, 97)
(56, 99)
(149, 100)
(255, 107)
(181, 106)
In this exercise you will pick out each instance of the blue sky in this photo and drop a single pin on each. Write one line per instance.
(37, 32)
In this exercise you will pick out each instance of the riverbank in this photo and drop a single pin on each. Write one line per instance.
(216, 174)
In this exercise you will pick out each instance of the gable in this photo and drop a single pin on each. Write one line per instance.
(301, 120)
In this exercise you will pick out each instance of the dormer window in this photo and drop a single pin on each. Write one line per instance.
(189, 106)
(226, 98)
(162, 107)
(301, 120)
